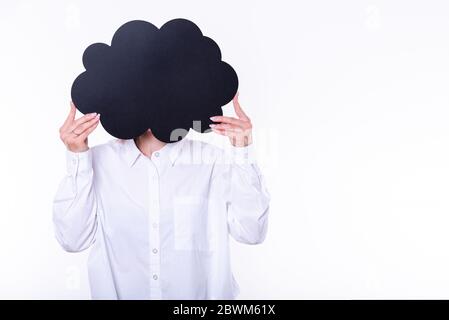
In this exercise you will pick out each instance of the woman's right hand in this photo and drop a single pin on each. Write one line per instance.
(74, 133)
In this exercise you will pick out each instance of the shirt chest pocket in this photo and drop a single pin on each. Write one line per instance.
(190, 223)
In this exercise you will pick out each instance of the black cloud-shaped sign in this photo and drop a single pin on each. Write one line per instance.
(168, 80)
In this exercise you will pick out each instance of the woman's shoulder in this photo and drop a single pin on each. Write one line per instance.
(113, 146)
(197, 149)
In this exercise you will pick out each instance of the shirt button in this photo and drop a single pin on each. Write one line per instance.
(156, 154)
(154, 250)
(155, 277)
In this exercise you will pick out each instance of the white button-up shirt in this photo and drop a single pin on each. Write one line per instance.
(159, 227)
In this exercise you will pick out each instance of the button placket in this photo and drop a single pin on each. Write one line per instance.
(154, 216)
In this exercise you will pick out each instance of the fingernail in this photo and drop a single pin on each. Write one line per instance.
(213, 118)
(212, 125)
(93, 114)
(98, 115)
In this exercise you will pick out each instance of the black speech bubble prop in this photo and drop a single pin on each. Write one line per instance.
(160, 79)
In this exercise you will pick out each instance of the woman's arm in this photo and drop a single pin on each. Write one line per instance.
(249, 199)
(246, 195)
(75, 204)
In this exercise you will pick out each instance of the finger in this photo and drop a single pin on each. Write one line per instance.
(74, 134)
(83, 127)
(70, 118)
(88, 131)
(79, 130)
(238, 109)
(225, 126)
(82, 120)
(229, 120)
(227, 133)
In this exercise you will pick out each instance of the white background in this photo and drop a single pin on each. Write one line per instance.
(350, 102)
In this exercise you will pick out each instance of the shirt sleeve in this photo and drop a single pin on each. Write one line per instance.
(247, 198)
(75, 204)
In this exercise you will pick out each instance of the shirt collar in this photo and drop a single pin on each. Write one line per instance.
(132, 153)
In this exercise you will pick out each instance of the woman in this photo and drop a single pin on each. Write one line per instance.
(158, 216)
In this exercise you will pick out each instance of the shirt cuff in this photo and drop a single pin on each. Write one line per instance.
(78, 162)
(242, 155)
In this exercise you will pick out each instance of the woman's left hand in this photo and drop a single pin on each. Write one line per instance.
(238, 130)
